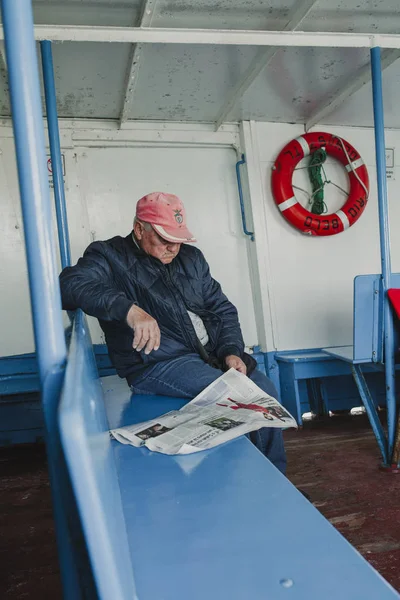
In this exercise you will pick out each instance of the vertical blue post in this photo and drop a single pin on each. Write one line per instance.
(55, 151)
(40, 251)
(384, 243)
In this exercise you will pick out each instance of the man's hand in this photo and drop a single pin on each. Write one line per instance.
(234, 362)
(147, 332)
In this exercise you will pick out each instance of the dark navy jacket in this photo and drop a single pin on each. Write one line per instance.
(113, 275)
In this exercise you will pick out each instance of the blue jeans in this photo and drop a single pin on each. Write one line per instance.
(188, 375)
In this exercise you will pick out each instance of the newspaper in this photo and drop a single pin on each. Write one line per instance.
(231, 406)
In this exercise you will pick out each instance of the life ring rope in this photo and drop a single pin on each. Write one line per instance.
(282, 174)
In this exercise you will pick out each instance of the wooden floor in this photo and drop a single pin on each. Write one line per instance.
(335, 461)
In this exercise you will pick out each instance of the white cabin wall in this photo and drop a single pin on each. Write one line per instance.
(107, 171)
(309, 280)
(302, 287)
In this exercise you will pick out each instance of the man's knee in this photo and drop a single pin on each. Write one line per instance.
(264, 383)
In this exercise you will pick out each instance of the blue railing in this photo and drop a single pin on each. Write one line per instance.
(55, 150)
(89, 455)
(388, 327)
(40, 251)
(240, 162)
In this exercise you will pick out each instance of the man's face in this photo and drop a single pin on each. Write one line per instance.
(155, 245)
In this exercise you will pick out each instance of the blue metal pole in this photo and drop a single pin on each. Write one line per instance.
(55, 151)
(384, 243)
(40, 250)
(240, 188)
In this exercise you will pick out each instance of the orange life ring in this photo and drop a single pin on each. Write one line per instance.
(293, 211)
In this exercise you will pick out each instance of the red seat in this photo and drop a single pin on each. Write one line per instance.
(394, 297)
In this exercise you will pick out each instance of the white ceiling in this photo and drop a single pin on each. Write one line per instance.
(192, 83)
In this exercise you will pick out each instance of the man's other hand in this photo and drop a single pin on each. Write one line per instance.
(234, 362)
(146, 329)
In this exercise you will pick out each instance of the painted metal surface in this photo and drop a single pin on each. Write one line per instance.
(198, 508)
(383, 208)
(371, 411)
(319, 276)
(353, 112)
(293, 88)
(369, 299)
(89, 455)
(344, 92)
(19, 374)
(132, 74)
(329, 15)
(183, 508)
(296, 16)
(34, 188)
(112, 179)
(239, 37)
(55, 149)
(89, 79)
(240, 162)
(40, 250)
(371, 345)
(107, 169)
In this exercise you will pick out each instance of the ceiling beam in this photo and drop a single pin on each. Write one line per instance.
(295, 18)
(355, 83)
(235, 37)
(3, 59)
(132, 73)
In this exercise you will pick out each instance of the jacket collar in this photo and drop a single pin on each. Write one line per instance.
(139, 253)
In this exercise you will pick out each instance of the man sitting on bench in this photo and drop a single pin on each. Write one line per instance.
(169, 328)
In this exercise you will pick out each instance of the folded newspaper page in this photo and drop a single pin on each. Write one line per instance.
(231, 406)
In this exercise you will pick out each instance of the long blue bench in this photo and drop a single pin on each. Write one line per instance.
(21, 415)
(218, 524)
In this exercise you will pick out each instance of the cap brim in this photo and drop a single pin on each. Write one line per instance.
(176, 236)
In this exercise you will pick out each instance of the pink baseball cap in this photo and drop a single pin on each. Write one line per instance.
(166, 214)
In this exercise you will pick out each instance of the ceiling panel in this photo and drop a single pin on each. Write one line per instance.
(357, 110)
(187, 83)
(362, 16)
(191, 83)
(119, 13)
(223, 14)
(4, 95)
(296, 82)
(90, 78)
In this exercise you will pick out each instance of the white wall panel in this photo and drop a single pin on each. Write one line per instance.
(312, 277)
(102, 186)
(113, 179)
(15, 312)
(310, 281)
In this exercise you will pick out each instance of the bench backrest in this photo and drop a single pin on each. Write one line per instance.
(368, 317)
(87, 447)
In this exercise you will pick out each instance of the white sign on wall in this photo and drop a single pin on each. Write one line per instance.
(50, 170)
(390, 170)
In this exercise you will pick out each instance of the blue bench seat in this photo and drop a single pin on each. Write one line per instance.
(218, 524)
(298, 367)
